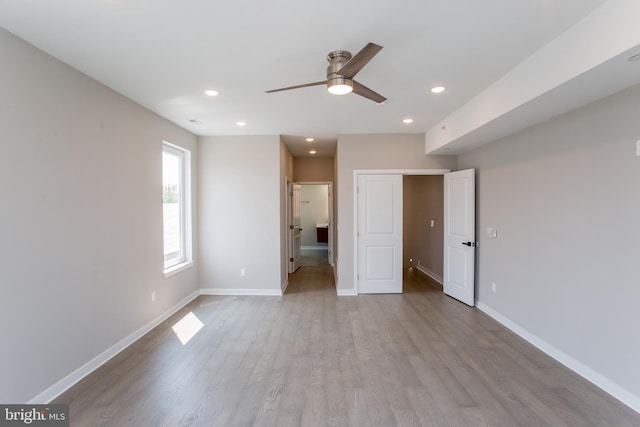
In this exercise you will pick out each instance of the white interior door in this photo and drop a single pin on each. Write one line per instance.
(295, 227)
(379, 234)
(459, 235)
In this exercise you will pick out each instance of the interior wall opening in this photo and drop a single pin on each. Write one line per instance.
(423, 219)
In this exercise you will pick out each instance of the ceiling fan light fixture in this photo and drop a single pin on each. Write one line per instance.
(340, 85)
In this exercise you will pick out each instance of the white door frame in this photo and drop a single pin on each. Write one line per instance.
(330, 243)
(289, 231)
(359, 172)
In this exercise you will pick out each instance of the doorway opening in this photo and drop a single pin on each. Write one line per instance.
(423, 224)
(311, 224)
(378, 207)
(314, 222)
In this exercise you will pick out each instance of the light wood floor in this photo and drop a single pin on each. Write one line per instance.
(311, 358)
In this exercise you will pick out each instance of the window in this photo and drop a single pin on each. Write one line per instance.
(176, 205)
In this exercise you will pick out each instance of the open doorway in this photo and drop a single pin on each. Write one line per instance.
(378, 206)
(311, 226)
(314, 222)
(423, 224)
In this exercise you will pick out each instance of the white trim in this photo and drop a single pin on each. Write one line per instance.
(356, 243)
(346, 292)
(401, 171)
(284, 286)
(356, 173)
(240, 292)
(177, 268)
(620, 393)
(73, 378)
(429, 273)
(186, 212)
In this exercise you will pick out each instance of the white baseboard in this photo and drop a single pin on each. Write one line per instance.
(284, 286)
(346, 292)
(73, 378)
(615, 390)
(241, 292)
(429, 273)
(319, 247)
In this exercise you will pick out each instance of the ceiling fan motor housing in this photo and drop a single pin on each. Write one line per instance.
(337, 59)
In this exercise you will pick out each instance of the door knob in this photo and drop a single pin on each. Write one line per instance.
(470, 244)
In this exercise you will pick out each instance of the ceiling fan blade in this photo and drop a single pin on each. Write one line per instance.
(297, 87)
(362, 90)
(355, 64)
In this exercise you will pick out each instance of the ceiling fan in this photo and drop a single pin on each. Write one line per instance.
(341, 71)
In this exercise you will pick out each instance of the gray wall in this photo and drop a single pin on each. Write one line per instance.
(423, 201)
(240, 202)
(376, 151)
(313, 169)
(81, 252)
(565, 199)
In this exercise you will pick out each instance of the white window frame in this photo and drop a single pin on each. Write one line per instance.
(186, 257)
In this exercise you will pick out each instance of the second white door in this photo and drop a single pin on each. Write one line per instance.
(459, 235)
(379, 234)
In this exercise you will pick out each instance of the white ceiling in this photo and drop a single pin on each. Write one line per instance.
(164, 53)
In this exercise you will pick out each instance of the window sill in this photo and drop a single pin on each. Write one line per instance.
(168, 272)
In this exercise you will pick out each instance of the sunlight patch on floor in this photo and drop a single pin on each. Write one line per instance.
(187, 327)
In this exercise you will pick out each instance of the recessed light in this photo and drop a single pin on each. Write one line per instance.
(309, 139)
(211, 92)
(407, 121)
(312, 152)
(241, 123)
(438, 89)
(635, 58)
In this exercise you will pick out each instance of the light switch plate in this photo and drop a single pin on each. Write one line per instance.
(638, 148)
(492, 233)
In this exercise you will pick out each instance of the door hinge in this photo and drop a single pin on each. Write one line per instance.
(290, 259)
(291, 227)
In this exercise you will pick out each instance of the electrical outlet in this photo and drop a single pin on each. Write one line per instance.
(433, 223)
(243, 272)
(494, 287)
(153, 296)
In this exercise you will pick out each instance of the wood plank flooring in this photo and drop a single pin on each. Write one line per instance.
(311, 358)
